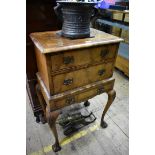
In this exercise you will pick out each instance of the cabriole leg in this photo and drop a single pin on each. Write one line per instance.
(111, 97)
(51, 119)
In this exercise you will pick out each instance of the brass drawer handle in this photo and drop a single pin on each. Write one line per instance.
(101, 72)
(68, 81)
(100, 90)
(70, 100)
(104, 52)
(69, 59)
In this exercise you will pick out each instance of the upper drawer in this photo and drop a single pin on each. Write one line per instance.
(74, 59)
(68, 81)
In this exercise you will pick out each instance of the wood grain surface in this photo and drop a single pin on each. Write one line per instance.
(83, 67)
(52, 41)
(87, 56)
(77, 66)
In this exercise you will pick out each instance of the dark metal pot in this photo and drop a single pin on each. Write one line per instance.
(76, 18)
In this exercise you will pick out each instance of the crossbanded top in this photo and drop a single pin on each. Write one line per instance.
(52, 41)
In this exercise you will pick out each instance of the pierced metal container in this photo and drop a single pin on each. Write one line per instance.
(76, 18)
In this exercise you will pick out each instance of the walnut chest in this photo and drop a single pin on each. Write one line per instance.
(72, 71)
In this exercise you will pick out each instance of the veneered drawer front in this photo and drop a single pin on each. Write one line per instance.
(67, 81)
(80, 97)
(74, 59)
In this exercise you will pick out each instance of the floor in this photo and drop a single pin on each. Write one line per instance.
(92, 139)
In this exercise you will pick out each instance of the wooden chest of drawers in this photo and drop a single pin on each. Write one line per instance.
(72, 71)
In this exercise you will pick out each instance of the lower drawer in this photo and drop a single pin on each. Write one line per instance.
(82, 77)
(81, 96)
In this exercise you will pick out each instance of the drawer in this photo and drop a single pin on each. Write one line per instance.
(78, 58)
(74, 79)
(82, 96)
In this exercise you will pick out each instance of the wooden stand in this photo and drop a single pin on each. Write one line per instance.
(73, 71)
